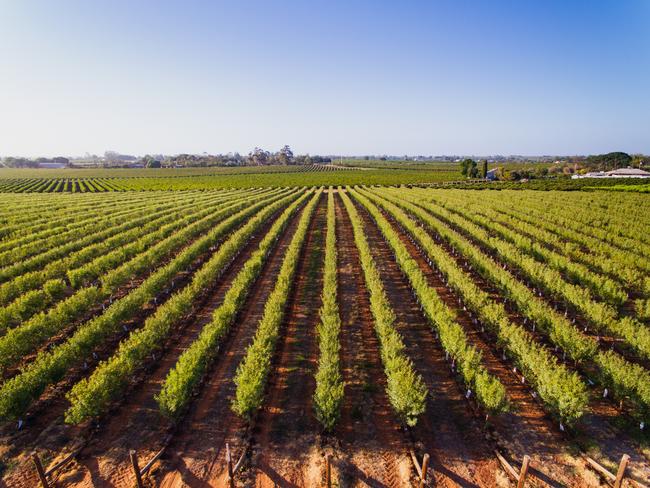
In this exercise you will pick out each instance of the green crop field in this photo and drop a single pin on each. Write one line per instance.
(277, 300)
(102, 180)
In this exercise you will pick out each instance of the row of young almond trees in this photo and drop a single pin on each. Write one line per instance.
(623, 379)
(92, 396)
(562, 391)
(17, 393)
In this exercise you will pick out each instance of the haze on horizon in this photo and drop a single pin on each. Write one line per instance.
(359, 77)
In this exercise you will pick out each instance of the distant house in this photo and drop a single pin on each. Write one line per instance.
(617, 173)
(491, 175)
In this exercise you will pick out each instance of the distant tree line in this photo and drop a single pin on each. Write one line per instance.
(565, 167)
(114, 159)
(285, 156)
(12, 162)
(257, 157)
(600, 162)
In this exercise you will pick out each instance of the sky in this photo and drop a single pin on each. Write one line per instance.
(349, 77)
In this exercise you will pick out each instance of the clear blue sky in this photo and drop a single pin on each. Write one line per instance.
(402, 77)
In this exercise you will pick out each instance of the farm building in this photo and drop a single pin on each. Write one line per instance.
(52, 165)
(617, 173)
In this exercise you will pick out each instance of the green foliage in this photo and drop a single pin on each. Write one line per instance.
(489, 391)
(65, 256)
(469, 168)
(30, 303)
(92, 396)
(150, 162)
(149, 179)
(329, 384)
(613, 160)
(602, 315)
(21, 340)
(562, 391)
(254, 369)
(405, 389)
(17, 393)
(613, 371)
(191, 366)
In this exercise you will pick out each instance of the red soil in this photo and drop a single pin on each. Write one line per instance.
(558, 461)
(448, 432)
(45, 428)
(285, 437)
(197, 452)
(368, 446)
(526, 429)
(137, 424)
(285, 447)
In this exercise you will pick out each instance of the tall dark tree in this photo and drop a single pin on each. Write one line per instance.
(468, 168)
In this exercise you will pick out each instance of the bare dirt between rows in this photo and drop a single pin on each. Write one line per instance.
(285, 447)
(603, 433)
(368, 446)
(605, 339)
(95, 310)
(137, 423)
(524, 430)
(284, 443)
(196, 455)
(448, 432)
(597, 423)
(45, 429)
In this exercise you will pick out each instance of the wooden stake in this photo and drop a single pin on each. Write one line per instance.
(40, 470)
(507, 467)
(328, 471)
(620, 474)
(136, 468)
(524, 472)
(425, 467)
(231, 476)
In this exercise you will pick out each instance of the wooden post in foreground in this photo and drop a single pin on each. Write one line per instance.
(328, 471)
(231, 474)
(40, 470)
(425, 467)
(620, 474)
(136, 468)
(524, 472)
